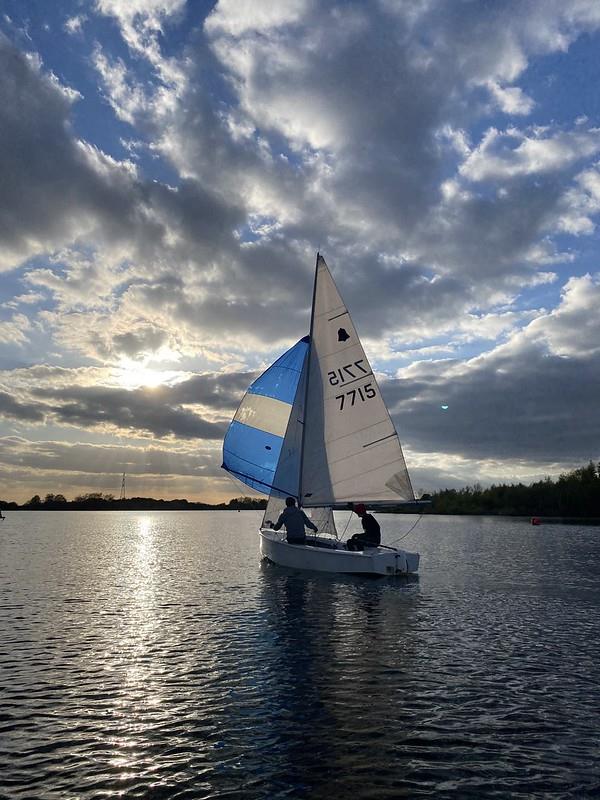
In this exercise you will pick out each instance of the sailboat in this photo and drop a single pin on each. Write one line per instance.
(315, 427)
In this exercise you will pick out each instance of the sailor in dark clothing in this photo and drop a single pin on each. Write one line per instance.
(371, 535)
(294, 520)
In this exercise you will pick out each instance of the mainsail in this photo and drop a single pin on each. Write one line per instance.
(351, 451)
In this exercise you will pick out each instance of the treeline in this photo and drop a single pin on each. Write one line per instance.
(573, 494)
(96, 501)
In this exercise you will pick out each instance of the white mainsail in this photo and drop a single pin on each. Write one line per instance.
(351, 451)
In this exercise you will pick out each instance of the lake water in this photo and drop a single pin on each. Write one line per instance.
(152, 655)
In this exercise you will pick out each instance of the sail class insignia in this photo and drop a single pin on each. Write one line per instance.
(343, 335)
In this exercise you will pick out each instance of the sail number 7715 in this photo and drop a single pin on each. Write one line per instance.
(361, 393)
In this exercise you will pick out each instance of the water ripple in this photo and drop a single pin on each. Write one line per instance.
(152, 656)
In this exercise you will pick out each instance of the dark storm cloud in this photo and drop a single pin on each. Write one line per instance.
(219, 392)
(524, 405)
(14, 409)
(146, 411)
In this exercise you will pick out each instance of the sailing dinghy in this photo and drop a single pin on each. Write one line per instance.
(314, 426)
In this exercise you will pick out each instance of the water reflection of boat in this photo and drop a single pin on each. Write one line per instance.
(315, 427)
(339, 654)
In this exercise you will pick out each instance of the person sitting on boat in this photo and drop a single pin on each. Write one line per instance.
(371, 535)
(294, 520)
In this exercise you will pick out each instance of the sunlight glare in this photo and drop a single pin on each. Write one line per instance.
(132, 374)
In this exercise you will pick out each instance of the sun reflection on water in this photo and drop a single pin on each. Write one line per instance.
(142, 691)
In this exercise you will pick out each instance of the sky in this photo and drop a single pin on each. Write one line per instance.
(170, 168)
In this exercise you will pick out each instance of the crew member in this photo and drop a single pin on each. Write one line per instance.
(371, 535)
(294, 520)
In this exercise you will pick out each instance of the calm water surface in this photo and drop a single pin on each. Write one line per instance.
(152, 655)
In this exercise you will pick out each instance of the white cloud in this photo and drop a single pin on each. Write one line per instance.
(85, 282)
(514, 153)
(127, 100)
(510, 99)
(573, 328)
(141, 20)
(15, 330)
(75, 24)
(237, 17)
(580, 204)
(27, 299)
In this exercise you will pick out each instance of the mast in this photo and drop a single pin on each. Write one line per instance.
(308, 360)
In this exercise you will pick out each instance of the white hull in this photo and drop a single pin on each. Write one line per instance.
(372, 561)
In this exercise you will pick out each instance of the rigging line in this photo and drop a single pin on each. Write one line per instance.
(270, 486)
(341, 538)
(410, 530)
(306, 366)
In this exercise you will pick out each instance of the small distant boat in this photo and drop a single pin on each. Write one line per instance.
(314, 426)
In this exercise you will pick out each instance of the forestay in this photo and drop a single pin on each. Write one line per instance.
(351, 449)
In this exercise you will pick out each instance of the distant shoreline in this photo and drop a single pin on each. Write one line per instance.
(136, 504)
(573, 498)
(260, 505)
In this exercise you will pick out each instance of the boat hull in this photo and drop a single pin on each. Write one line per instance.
(328, 558)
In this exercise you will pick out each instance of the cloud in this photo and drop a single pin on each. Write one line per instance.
(580, 204)
(102, 458)
(514, 153)
(235, 17)
(510, 99)
(196, 407)
(144, 412)
(141, 20)
(28, 412)
(573, 328)
(76, 280)
(36, 467)
(331, 133)
(54, 189)
(504, 404)
(74, 25)
(15, 330)
(283, 128)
